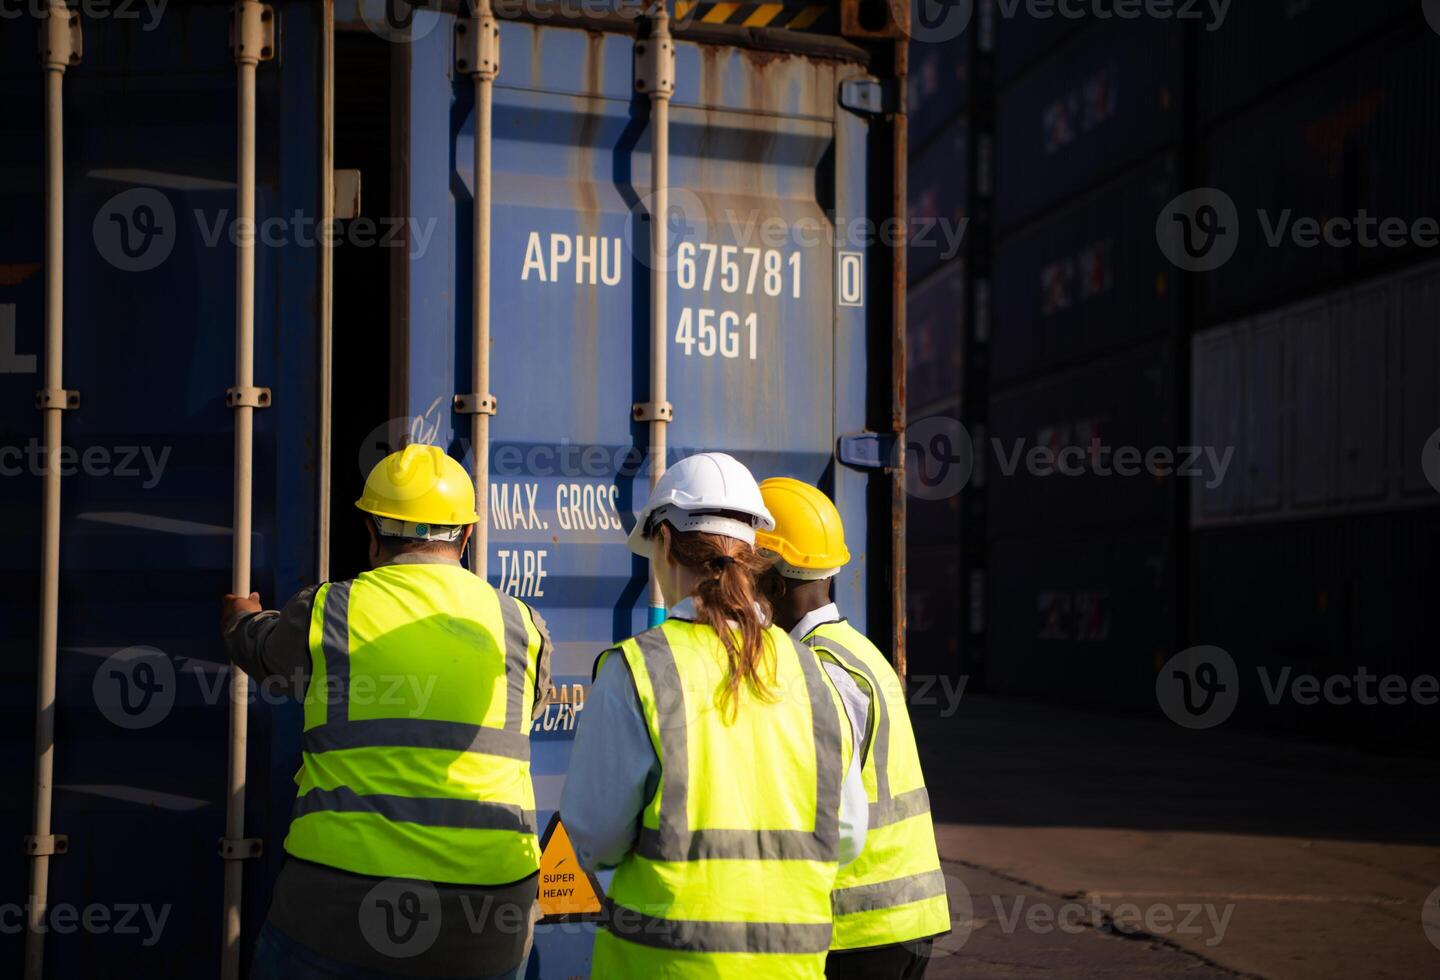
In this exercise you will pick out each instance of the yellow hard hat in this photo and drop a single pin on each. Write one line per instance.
(808, 535)
(420, 485)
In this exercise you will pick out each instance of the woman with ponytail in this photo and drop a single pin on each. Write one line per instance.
(716, 767)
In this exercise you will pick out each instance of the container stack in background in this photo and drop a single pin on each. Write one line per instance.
(1317, 369)
(1087, 320)
(1321, 365)
(950, 100)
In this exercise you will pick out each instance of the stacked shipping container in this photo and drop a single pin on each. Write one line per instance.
(1303, 532)
(1087, 318)
(1316, 358)
(949, 203)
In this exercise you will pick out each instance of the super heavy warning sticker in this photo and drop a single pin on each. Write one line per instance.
(568, 892)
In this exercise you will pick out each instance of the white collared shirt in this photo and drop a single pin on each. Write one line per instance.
(828, 613)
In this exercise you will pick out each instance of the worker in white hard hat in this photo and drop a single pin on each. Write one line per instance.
(716, 766)
(890, 904)
(412, 848)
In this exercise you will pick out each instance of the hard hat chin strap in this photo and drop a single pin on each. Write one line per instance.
(391, 528)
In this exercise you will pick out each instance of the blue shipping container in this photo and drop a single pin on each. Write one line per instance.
(774, 302)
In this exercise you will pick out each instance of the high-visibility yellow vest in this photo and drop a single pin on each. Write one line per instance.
(416, 752)
(738, 849)
(894, 891)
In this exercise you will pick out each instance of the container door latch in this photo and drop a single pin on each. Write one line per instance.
(867, 450)
(869, 96)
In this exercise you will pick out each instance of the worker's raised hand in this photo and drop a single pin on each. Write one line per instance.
(233, 605)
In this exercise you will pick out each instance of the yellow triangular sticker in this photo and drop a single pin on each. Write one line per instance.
(567, 891)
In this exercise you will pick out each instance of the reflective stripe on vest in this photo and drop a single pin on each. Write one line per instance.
(392, 783)
(682, 895)
(895, 891)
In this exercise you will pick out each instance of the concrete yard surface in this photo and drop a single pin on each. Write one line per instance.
(1080, 844)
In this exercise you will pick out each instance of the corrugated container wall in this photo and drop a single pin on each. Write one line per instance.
(1105, 101)
(141, 713)
(1341, 155)
(779, 343)
(1086, 279)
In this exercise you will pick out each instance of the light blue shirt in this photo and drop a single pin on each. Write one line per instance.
(614, 770)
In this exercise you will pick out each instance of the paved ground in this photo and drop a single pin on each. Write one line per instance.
(1095, 846)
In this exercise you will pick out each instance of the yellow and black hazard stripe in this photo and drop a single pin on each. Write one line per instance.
(806, 15)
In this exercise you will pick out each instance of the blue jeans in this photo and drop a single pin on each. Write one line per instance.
(278, 957)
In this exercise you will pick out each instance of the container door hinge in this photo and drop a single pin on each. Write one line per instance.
(655, 66)
(252, 31)
(61, 398)
(650, 412)
(46, 844)
(247, 397)
(869, 96)
(866, 450)
(60, 41)
(240, 848)
(476, 405)
(477, 47)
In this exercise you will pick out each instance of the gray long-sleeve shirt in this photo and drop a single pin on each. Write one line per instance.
(614, 770)
(320, 906)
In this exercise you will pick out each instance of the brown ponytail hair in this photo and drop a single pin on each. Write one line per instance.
(728, 593)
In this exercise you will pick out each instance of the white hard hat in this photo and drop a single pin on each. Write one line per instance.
(710, 492)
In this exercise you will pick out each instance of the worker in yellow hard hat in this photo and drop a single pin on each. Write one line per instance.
(412, 847)
(890, 903)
